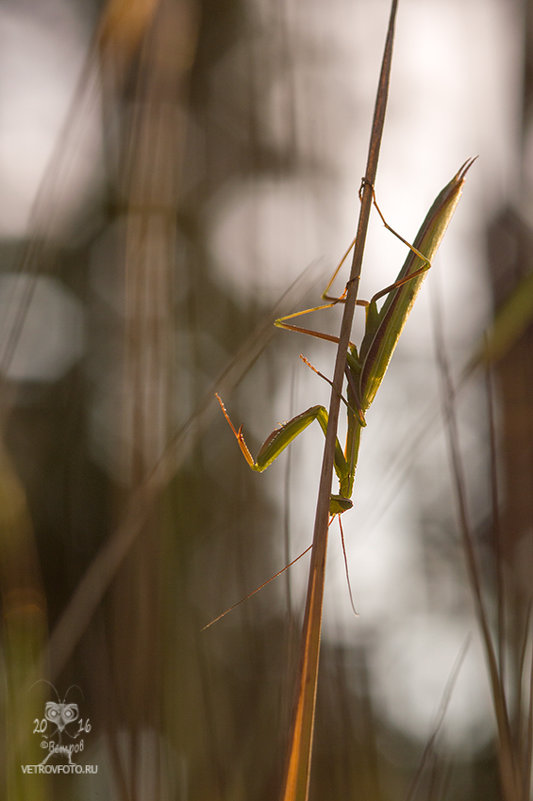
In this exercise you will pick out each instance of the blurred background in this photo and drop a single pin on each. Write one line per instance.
(175, 174)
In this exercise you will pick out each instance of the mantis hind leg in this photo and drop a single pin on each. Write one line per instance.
(281, 322)
(342, 297)
(356, 412)
(280, 572)
(346, 569)
(400, 281)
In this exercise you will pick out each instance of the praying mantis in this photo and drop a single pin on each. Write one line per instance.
(366, 366)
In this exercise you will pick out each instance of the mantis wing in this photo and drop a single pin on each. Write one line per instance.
(384, 327)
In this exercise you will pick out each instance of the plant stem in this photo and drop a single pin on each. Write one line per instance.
(298, 764)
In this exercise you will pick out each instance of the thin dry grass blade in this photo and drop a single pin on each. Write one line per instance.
(509, 773)
(496, 524)
(522, 662)
(528, 744)
(121, 23)
(430, 745)
(102, 570)
(298, 760)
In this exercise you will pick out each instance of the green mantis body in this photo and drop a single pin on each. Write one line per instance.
(365, 367)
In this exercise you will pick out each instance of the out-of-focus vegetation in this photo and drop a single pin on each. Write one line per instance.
(210, 154)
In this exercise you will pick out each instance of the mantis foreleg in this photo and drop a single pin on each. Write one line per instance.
(282, 436)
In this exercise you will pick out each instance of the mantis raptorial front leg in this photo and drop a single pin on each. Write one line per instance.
(282, 436)
(366, 365)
